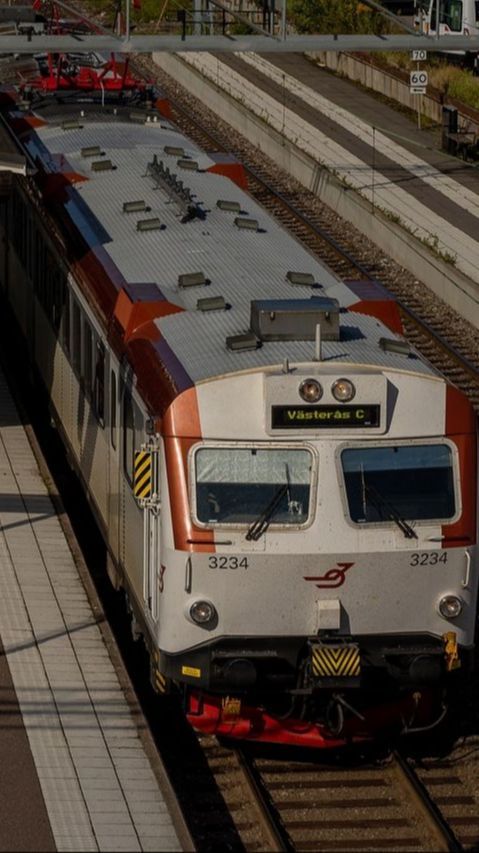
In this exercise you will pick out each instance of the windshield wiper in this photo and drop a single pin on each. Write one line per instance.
(264, 520)
(380, 503)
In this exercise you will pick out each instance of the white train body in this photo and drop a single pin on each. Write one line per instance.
(276, 549)
(456, 17)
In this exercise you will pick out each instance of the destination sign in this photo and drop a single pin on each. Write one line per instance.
(329, 416)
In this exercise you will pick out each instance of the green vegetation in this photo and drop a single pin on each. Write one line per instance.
(432, 243)
(457, 83)
(342, 16)
(464, 87)
(315, 16)
(449, 79)
(149, 12)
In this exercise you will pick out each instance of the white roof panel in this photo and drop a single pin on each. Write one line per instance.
(240, 264)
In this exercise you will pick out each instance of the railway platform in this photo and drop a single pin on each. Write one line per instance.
(78, 767)
(376, 148)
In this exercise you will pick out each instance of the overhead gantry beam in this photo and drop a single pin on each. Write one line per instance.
(22, 44)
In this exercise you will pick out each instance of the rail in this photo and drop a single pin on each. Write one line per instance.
(324, 806)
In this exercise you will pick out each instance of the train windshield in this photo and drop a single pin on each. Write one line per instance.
(236, 485)
(450, 14)
(414, 482)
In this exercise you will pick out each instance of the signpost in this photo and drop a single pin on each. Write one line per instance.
(418, 81)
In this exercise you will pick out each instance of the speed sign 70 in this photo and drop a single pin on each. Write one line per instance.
(418, 78)
(418, 55)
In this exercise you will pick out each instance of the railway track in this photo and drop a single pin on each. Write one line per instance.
(301, 805)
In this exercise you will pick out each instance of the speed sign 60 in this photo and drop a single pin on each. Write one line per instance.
(418, 78)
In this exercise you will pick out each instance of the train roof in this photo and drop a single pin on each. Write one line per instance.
(207, 231)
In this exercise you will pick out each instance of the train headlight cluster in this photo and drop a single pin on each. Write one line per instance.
(450, 606)
(310, 390)
(203, 612)
(343, 390)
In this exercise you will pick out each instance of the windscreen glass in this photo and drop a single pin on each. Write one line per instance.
(414, 481)
(235, 485)
(450, 14)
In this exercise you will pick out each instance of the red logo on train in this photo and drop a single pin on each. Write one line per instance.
(333, 577)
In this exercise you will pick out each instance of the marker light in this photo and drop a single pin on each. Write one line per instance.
(450, 607)
(343, 390)
(202, 612)
(310, 390)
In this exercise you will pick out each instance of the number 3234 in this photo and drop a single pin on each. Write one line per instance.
(428, 558)
(220, 562)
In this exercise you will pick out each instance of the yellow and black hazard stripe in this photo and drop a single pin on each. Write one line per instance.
(159, 681)
(336, 661)
(142, 477)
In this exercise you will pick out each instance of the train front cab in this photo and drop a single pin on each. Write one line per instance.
(315, 575)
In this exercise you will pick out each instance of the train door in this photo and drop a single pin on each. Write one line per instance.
(139, 508)
(146, 490)
(34, 267)
(113, 487)
(4, 244)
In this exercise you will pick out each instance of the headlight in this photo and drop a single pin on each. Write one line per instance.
(450, 606)
(310, 390)
(202, 612)
(343, 390)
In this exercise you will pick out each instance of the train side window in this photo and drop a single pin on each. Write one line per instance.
(48, 282)
(29, 247)
(450, 14)
(39, 268)
(18, 225)
(138, 425)
(133, 434)
(59, 296)
(129, 435)
(113, 409)
(87, 357)
(66, 322)
(76, 338)
(99, 383)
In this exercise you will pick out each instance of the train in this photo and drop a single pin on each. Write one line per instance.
(286, 488)
(456, 17)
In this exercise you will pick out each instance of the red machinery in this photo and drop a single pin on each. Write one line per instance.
(67, 72)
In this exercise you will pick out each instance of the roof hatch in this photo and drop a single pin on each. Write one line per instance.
(92, 151)
(304, 278)
(244, 222)
(233, 206)
(295, 319)
(192, 279)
